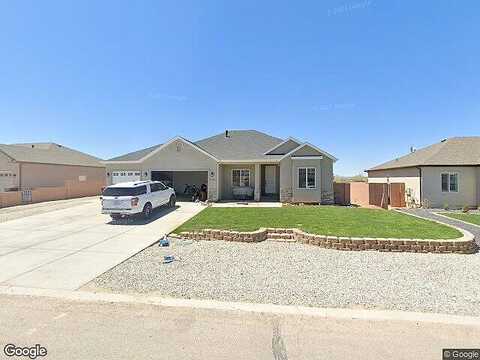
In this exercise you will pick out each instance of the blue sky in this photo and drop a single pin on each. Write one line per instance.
(364, 80)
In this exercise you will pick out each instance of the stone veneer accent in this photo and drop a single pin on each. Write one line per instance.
(463, 245)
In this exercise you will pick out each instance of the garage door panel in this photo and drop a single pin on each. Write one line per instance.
(122, 176)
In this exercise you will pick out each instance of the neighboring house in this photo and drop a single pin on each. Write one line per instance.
(34, 165)
(440, 175)
(232, 164)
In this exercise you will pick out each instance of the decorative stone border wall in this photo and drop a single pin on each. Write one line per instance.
(463, 245)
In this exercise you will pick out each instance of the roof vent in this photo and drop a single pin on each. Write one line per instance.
(227, 135)
(412, 149)
(33, 146)
(443, 140)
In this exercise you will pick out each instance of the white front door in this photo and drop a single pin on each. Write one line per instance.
(270, 179)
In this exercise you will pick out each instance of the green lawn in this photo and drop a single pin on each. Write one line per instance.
(325, 220)
(470, 218)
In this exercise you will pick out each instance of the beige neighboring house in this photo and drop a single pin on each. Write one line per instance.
(234, 165)
(440, 175)
(35, 165)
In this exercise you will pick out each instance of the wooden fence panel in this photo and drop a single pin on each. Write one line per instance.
(378, 194)
(397, 194)
(359, 193)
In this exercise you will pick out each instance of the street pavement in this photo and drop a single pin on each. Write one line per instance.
(75, 329)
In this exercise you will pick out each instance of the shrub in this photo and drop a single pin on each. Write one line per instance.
(426, 204)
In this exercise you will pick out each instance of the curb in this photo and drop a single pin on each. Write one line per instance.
(269, 309)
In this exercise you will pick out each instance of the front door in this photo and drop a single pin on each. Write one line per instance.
(270, 179)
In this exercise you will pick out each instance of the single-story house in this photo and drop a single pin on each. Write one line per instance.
(440, 175)
(34, 165)
(234, 163)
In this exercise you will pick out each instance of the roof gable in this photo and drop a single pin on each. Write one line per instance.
(284, 147)
(307, 149)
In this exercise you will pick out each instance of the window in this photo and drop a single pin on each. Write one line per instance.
(307, 178)
(162, 186)
(117, 191)
(449, 182)
(155, 187)
(241, 177)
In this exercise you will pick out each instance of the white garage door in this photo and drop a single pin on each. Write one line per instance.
(125, 176)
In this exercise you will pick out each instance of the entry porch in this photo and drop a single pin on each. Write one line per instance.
(249, 182)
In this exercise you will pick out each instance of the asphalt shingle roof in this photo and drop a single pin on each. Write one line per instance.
(456, 151)
(136, 155)
(239, 145)
(49, 153)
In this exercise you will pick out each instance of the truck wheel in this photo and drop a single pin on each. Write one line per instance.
(172, 201)
(147, 210)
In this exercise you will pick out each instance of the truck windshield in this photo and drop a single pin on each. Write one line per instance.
(118, 191)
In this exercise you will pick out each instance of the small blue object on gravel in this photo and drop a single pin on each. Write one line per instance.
(164, 241)
(167, 259)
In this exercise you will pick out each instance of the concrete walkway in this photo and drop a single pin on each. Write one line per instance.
(67, 248)
(431, 215)
(247, 204)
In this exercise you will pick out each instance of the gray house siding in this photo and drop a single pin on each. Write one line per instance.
(286, 190)
(289, 191)
(326, 166)
(478, 185)
(467, 186)
(307, 195)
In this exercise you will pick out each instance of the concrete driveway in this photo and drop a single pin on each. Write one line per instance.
(64, 249)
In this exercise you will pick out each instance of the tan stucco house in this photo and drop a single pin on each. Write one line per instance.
(238, 163)
(443, 174)
(35, 165)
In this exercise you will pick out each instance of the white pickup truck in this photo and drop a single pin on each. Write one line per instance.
(131, 198)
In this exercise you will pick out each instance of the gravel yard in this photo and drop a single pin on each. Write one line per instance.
(291, 273)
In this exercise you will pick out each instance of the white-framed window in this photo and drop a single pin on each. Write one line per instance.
(241, 177)
(307, 178)
(449, 182)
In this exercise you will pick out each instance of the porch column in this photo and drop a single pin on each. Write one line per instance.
(258, 179)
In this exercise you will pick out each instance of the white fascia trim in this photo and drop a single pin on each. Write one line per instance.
(106, 162)
(307, 157)
(254, 161)
(312, 146)
(176, 138)
(283, 142)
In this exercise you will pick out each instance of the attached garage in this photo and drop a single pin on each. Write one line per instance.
(180, 180)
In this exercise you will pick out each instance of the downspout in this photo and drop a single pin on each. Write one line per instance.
(20, 176)
(421, 187)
